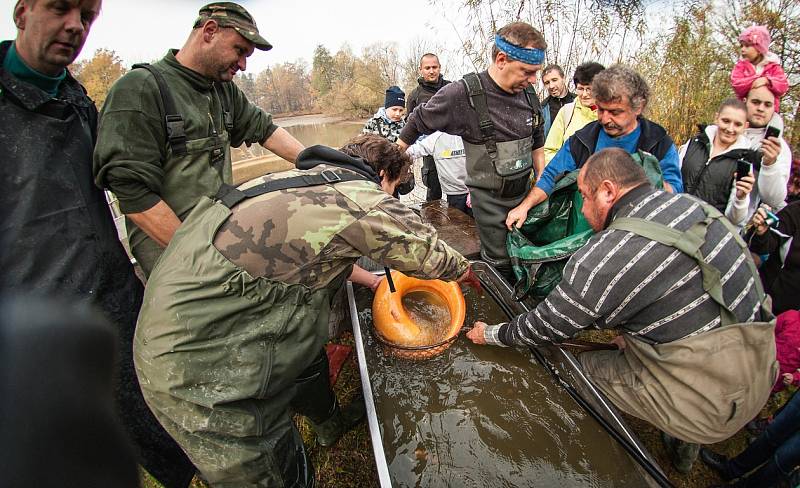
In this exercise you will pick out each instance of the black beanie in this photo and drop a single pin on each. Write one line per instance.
(394, 97)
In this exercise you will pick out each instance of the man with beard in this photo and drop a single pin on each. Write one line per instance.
(58, 237)
(166, 131)
(430, 81)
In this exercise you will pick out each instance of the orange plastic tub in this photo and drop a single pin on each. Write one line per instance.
(396, 327)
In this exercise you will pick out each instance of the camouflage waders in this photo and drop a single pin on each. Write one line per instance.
(218, 363)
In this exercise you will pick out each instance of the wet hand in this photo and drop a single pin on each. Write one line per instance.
(476, 333)
(619, 341)
(787, 377)
(470, 279)
(516, 216)
(771, 147)
(745, 186)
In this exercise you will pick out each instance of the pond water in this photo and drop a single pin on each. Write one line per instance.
(485, 416)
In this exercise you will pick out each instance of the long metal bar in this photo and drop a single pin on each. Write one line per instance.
(369, 400)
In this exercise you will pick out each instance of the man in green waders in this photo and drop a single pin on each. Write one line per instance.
(166, 130)
(498, 116)
(236, 311)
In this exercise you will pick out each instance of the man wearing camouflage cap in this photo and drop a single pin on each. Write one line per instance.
(166, 131)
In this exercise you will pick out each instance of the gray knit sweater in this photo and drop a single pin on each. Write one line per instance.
(652, 291)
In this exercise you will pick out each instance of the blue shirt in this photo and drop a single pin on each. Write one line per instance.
(562, 162)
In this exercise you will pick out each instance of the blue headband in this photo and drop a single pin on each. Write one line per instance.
(524, 54)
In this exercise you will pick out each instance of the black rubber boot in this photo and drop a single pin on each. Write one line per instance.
(717, 462)
(683, 454)
(342, 420)
(315, 398)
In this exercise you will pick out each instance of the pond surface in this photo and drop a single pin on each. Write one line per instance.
(480, 416)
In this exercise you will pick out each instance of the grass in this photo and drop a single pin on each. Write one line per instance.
(350, 463)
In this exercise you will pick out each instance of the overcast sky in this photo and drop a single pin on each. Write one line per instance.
(143, 30)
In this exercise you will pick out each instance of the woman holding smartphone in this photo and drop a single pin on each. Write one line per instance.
(716, 164)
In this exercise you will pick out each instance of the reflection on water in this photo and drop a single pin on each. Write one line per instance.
(485, 416)
(431, 315)
(333, 134)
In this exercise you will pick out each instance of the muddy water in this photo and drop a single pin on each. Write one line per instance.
(479, 416)
(431, 315)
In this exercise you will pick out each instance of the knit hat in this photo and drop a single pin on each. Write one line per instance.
(394, 97)
(758, 37)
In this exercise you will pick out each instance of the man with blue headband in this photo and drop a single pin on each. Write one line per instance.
(498, 115)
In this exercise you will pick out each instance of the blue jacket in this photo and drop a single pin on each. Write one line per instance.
(648, 136)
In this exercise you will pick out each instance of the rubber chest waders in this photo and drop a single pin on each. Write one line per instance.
(498, 176)
(192, 169)
(218, 351)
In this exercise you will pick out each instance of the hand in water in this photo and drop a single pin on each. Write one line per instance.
(476, 333)
(471, 280)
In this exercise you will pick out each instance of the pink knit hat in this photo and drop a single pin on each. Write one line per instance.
(758, 37)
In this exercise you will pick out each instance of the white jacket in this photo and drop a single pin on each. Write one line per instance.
(771, 181)
(448, 154)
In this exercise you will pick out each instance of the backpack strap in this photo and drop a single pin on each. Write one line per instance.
(176, 133)
(477, 99)
(230, 196)
(690, 242)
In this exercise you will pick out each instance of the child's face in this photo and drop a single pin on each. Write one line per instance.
(395, 113)
(750, 53)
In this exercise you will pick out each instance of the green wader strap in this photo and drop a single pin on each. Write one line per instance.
(226, 109)
(477, 98)
(230, 196)
(176, 133)
(690, 243)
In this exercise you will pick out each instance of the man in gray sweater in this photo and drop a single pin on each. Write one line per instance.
(697, 356)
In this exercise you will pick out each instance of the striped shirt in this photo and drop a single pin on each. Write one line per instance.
(625, 281)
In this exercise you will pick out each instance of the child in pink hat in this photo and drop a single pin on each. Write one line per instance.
(758, 66)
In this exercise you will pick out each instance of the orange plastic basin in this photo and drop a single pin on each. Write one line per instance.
(397, 328)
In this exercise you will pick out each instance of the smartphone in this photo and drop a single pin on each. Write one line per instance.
(743, 168)
(772, 132)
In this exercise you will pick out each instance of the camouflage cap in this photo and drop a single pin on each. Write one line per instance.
(229, 14)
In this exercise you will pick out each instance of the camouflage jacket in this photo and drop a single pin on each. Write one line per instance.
(312, 235)
(381, 125)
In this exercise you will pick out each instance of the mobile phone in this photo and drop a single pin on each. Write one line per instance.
(772, 132)
(743, 168)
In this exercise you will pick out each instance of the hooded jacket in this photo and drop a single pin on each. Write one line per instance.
(713, 179)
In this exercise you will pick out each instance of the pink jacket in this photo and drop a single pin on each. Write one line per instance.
(744, 74)
(787, 345)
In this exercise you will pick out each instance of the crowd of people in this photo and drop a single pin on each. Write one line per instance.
(225, 342)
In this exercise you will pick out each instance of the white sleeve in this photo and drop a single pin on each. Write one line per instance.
(423, 147)
(772, 179)
(737, 210)
(682, 153)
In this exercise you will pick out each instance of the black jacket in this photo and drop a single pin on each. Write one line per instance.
(710, 180)
(781, 278)
(58, 237)
(423, 93)
(653, 139)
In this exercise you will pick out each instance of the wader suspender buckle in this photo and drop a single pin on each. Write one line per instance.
(226, 109)
(477, 99)
(230, 196)
(173, 121)
(690, 243)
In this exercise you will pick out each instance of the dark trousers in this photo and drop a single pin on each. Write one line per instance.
(459, 202)
(430, 177)
(776, 450)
